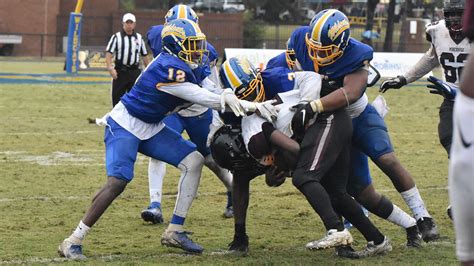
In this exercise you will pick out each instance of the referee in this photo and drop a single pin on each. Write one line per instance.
(127, 45)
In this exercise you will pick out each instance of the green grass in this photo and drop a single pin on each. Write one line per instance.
(52, 163)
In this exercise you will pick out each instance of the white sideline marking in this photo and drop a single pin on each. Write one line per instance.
(48, 133)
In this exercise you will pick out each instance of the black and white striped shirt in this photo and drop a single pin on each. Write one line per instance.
(127, 48)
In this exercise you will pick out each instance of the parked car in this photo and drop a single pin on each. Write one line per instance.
(307, 13)
(207, 5)
(233, 6)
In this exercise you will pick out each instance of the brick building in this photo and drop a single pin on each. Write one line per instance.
(43, 24)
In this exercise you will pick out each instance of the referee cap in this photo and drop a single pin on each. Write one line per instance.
(129, 16)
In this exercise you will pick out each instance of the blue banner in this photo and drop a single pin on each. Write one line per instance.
(73, 42)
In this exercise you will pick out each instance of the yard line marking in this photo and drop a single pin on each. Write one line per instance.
(112, 257)
(173, 195)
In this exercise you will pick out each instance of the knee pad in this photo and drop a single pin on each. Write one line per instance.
(191, 162)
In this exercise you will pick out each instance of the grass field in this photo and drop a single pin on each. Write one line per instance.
(52, 163)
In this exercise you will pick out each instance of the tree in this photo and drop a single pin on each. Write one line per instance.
(371, 5)
(406, 12)
(388, 42)
(273, 8)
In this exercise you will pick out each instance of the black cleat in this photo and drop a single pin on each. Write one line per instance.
(346, 251)
(240, 245)
(413, 237)
(449, 212)
(428, 229)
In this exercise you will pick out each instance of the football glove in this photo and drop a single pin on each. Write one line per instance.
(442, 88)
(393, 83)
(303, 114)
(266, 109)
(229, 99)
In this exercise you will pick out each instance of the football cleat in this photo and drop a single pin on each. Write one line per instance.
(413, 237)
(371, 249)
(428, 229)
(153, 215)
(345, 251)
(333, 238)
(449, 212)
(228, 212)
(69, 250)
(240, 245)
(180, 239)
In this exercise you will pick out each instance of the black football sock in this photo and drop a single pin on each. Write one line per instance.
(352, 211)
(321, 203)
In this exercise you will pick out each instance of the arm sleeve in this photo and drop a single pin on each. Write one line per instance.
(423, 66)
(192, 93)
(309, 85)
(209, 84)
(111, 46)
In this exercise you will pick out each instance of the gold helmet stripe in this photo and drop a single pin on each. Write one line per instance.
(315, 35)
(231, 76)
(181, 11)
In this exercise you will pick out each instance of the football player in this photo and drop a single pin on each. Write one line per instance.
(450, 49)
(135, 125)
(461, 168)
(266, 140)
(345, 65)
(360, 182)
(195, 120)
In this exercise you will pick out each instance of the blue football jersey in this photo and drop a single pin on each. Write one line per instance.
(277, 80)
(146, 102)
(353, 58)
(277, 61)
(154, 39)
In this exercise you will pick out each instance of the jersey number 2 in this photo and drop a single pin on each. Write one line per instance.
(452, 66)
(179, 77)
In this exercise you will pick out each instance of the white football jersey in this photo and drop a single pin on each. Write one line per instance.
(451, 55)
(252, 124)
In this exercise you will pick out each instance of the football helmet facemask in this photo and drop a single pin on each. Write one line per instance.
(184, 39)
(453, 11)
(290, 54)
(181, 11)
(243, 79)
(328, 36)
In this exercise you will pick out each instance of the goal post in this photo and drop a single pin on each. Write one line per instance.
(74, 38)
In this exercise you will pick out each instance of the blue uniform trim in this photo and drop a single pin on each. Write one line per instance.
(177, 219)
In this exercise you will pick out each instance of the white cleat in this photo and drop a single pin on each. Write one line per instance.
(332, 239)
(371, 249)
(70, 250)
